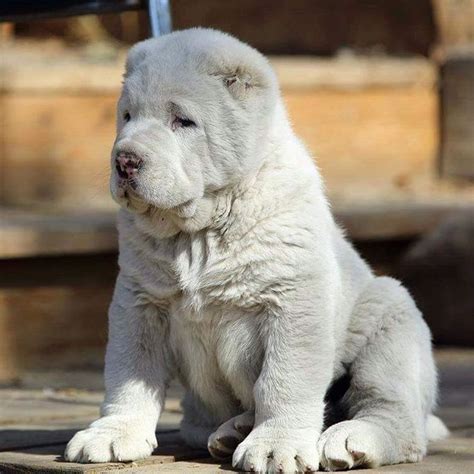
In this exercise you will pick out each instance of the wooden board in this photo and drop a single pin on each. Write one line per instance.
(389, 132)
(367, 142)
(47, 327)
(27, 70)
(371, 124)
(28, 233)
(47, 458)
(354, 114)
(64, 157)
(38, 447)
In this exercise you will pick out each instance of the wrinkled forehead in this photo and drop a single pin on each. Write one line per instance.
(157, 84)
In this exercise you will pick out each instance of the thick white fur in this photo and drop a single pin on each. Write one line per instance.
(235, 278)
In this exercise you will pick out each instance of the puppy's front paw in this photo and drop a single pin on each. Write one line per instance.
(277, 451)
(112, 438)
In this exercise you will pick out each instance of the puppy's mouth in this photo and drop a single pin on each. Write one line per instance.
(129, 197)
(134, 188)
(125, 191)
(127, 183)
(126, 196)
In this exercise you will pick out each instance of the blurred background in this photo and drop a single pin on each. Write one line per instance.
(382, 92)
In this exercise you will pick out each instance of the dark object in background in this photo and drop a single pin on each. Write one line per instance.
(24, 10)
(439, 272)
(317, 27)
(400, 27)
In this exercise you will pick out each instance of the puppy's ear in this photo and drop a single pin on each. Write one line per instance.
(246, 74)
(240, 83)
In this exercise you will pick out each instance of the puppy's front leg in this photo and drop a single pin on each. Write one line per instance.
(289, 393)
(136, 375)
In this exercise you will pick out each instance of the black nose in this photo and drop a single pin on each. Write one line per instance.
(127, 164)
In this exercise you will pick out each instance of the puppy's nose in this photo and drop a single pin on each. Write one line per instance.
(127, 164)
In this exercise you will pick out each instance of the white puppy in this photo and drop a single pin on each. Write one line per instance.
(235, 278)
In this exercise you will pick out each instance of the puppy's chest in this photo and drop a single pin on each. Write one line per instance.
(218, 357)
(207, 274)
(177, 269)
(214, 334)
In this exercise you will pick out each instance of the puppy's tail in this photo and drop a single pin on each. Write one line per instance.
(435, 429)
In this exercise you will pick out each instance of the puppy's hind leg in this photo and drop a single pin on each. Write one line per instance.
(197, 424)
(393, 383)
(200, 429)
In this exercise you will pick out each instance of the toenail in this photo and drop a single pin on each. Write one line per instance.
(229, 442)
(357, 455)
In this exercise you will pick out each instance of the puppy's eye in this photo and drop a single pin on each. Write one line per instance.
(126, 117)
(182, 122)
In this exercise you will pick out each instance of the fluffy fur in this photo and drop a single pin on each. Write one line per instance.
(235, 278)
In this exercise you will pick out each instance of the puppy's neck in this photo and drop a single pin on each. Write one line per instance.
(197, 214)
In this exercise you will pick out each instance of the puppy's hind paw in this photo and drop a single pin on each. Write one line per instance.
(359, 443)
(226, 438)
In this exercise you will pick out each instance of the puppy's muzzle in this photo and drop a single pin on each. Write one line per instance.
(127, 164)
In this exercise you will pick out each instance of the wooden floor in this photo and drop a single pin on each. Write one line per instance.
(36, 423)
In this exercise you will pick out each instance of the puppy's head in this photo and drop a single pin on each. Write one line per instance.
(195, 108)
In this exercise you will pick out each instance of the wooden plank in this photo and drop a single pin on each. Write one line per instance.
(350, 72)
(371, 123)
(363, 219)
(26, 233)
(202, 466)
(48, 458)
(454, 455)
(24, 73)
(46, 417)
(368, 143)
(14, 439)
(66, 327)
(17, 438)
(65, 157)
(380, 221)
(65, 101)
(359, 137)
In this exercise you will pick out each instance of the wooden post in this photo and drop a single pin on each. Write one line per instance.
(455, 50)
(455, 23)
(457, 116)
(7, 31)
